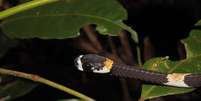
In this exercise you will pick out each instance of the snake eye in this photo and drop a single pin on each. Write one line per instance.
(88, 67)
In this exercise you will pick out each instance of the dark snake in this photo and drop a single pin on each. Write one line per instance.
(99, 64)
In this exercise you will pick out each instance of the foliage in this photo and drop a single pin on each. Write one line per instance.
(64, 18)
(191, 64)
(6, 43)
(16, 88)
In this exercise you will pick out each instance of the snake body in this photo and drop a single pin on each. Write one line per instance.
(99, 64)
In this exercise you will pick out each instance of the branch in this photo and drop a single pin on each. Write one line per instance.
(39, 79)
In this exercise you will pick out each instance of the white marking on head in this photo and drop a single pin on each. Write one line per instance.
(79, 63)
(101, 71)
(177, 79)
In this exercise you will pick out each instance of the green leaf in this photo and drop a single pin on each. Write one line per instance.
(6, 44)
(193, 43)
(63, 19)
(198, 23)
(191, 64)
(150, 91)
(15, 88)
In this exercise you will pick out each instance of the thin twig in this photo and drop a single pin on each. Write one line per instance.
(139, 55)
(86, 45)
(92, 35)
(1, 2)
(148, 49)
(24, 7)
(141, 99)
(128, 56)
(112, 47)
(39, 79)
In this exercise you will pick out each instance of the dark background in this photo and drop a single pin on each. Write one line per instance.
(160, 24)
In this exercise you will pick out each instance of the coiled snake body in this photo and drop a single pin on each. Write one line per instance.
(99, 64)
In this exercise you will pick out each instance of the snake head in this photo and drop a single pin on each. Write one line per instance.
(93, 63)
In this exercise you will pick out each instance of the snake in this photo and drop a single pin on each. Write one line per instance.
(99, 64)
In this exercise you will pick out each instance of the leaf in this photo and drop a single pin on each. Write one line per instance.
(192, 64)
(198, 23)
(6, 44)
(63, 19)
(166, 66)
(193, 43)
(150, 91)
(16, 88)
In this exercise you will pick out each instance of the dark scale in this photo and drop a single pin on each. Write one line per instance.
(193, 80)
(137, 73)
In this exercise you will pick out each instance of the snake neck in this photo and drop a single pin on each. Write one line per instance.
(138, 73)
(173, 79)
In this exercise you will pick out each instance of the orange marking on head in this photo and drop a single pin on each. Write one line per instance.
(108, 63)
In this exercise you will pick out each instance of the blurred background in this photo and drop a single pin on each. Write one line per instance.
(160, 24)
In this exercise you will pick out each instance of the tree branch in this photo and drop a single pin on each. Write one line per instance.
(39, 79)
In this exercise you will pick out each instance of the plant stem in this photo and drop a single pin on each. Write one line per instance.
(23, 7)
(139, 62)
(141, 99)
(1, 2)
(39, 79)
(139, 55)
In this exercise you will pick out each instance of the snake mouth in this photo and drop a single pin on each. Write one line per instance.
(78, 63)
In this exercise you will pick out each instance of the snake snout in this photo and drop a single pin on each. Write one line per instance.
(78, 63)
